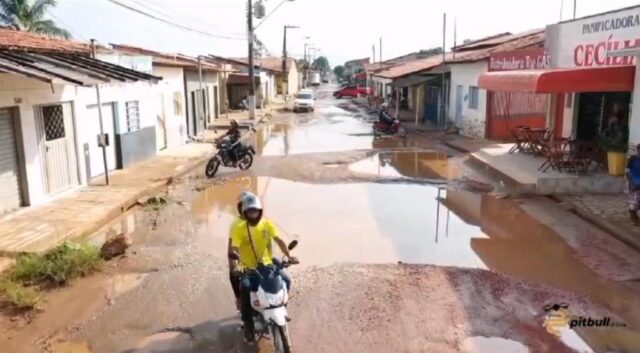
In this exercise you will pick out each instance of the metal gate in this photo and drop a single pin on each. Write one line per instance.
(56, 134)
(458, 116)
(10, 192)
(96, 160)
(161, 123)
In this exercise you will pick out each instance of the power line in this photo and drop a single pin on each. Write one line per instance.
(170, 13)
(146, 14)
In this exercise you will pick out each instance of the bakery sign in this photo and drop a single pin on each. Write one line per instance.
(525, 59)
(586, 42)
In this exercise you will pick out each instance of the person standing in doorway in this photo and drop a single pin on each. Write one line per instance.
(633, 178)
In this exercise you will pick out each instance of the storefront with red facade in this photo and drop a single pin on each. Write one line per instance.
(585, 86)
(507, 109)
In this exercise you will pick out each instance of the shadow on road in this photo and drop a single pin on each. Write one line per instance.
(213, 336)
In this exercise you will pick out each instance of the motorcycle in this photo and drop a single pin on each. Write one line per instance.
(269, 303)
(395, 128)
(243, 161)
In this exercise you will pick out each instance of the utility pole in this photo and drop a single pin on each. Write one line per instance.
(373, 50)
(443, 94)
(252, 83)
(284, 59)
(575, 2)
(380, 49)
(103, 139)
(202, 95)
(455, 40)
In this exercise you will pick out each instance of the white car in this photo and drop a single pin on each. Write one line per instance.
(304, 101)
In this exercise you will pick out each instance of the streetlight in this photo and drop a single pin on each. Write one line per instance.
(260, 14)
(284, 59)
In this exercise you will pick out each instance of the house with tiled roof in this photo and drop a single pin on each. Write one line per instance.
(50, 124)
(469, 104)
(187, 106)
(274, 77)
(417, 83)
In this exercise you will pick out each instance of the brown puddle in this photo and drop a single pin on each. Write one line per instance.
(412, 164)
(379, 223)
(335, 134)
(386, 223)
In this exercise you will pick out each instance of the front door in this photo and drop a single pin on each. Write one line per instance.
(458, 116)
(56, 122)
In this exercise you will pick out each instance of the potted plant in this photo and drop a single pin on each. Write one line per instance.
(615, 141)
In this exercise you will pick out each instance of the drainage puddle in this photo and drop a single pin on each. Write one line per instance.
(419, 164)
(386, 223)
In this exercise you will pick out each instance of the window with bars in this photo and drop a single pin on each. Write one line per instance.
(473, 97)
(53, 122)
(133, 116)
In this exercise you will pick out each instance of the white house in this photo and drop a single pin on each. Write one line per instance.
(49, 123)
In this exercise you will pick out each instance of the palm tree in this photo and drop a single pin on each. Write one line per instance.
(28, 15)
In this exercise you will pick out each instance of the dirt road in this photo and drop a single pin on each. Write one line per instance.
(398, 256)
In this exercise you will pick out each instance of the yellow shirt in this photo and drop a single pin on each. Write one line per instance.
(234, 224)
(261, 236)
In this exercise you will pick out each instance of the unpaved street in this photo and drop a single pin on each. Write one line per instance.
(399, 254)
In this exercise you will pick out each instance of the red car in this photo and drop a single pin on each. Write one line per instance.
(352, 91)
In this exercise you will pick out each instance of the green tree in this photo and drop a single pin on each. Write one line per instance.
(321, 63)
(29, 16)
(339, 71)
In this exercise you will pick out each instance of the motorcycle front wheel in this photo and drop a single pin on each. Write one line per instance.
(246, 160)
(280, 336)
(212, 167)
(376, 132)
(402, 131)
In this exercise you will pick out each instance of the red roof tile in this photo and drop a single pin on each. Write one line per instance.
(18, 40)
(271, 63)
(411, 67)
(522, 40)
(484, 49)
(166, 59)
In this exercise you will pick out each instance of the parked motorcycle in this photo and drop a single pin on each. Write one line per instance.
(224, 157)
(395, 128)
(270, 303)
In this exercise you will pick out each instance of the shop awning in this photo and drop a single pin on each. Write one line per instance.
(601, 79)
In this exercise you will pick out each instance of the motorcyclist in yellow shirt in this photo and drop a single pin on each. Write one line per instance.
(251, 240)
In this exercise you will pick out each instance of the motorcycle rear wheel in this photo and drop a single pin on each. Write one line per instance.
(280, 337)
(212, 167)
(245, 162)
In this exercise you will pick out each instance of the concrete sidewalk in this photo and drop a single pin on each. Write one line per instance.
(82, 211)
(465, 144)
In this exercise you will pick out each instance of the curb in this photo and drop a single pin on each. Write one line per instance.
(601, 223)
(448, 143)
(112, 214)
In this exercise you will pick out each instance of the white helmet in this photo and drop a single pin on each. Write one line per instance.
(243, 195)
(251, 201)
(384, 105)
